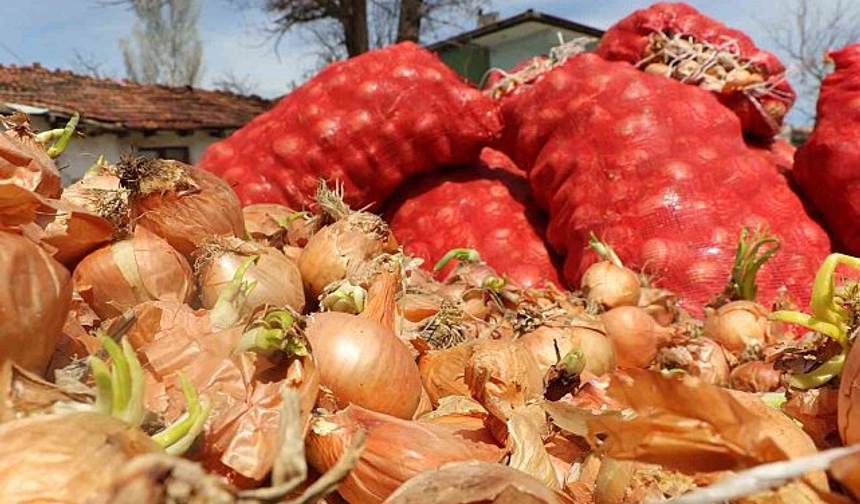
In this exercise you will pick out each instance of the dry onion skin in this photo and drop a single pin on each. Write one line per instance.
(636, 336)
(699, 357)
(475, 483)
(35, 297)
(181, 203)
(415, 446)
(277, 278)
(25, 163)
(738, 325)
(338, 250)
(129, 272)
(582, 334)
(443, 372)
(756, 376)
(73, 231)
(67, 458)
(849, 398)
(503, 376)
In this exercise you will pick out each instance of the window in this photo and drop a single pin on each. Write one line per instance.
(177, 153)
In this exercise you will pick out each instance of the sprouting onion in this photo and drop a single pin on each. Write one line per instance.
(120, 391)
(276, 330)
(227, 311)
(828, 317)
(344, 297)
(460, 254)
(61, 135)
(752, 252)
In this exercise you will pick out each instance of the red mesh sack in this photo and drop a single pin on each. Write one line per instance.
(676, 40)
(660, 171)
(778, 153)
(827, 165)
(487, 208)
(369, 122)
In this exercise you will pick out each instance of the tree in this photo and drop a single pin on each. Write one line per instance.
(809, 30)
(346, 28)
(232, 83)
(165, 46)
(88, 64)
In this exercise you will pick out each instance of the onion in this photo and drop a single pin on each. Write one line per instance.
(24, 162)
(360, 356)
(635, 335)
(126, 273)
(25, 394)
(100, 192)
(443, 371)
(278, 281)
(475, 483)
(340, 249)
(756, 376)
(610, 285)
(581, 334)
(849, 398)
(700, 357)
(416, 446)
(181, 203)
(278, 225)
(73, 231)
(623, 482)
(660, 304)
(503, 376)
(737, 325)
(68, 458)
(35, 296)
(817, 410)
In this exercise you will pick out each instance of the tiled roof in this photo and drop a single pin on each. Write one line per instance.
(118, 104)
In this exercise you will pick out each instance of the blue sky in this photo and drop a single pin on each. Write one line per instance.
(50, 31)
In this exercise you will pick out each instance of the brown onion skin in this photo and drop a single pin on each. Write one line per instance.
(737, 324)
(416, 446)
(475, 482)
(707, 360)
(185, 220)
(337, 250)
(262, 223)
(65, 458)
(359, 361)
(849, 398)
(35, 298)
(611, 285)
(443, 372)
(502, 376)
(25, 163)
(279, 282)
(755, 376)
(164, 275)
(596, 347)
(636, 335)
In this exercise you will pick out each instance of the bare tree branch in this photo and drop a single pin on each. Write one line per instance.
(232, 83)
(88, 64)
(809, 30)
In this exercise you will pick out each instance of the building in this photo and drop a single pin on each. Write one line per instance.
(503, 44)
(118, 117)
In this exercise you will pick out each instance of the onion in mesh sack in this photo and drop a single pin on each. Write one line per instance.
(180, 203)
(35, 297)
(142, 268)
(277, 278)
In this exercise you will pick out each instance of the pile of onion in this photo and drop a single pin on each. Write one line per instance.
(342, 248)
(34, 303)
(277, 278)
(635, 335)
(181, 203)
(416, 446)
(67, 458)
(360, 356)
(132, 271)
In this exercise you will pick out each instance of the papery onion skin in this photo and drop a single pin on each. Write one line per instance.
(443, 372)
(502, 376)
(74, 232)
(67, 458)
(636, 335)
(596, 348)
(336, 250)
(124, 274)
(475, 483)
(611, 285)
(700, 357)
(25, 163)
(737, 325)
(35, 297)
(279, 282)
(186, 218)
(277, 225)
(416, 446)
(364, 363)
(755, 376)
(849, 398)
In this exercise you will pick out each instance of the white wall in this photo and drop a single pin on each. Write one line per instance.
(82, 153)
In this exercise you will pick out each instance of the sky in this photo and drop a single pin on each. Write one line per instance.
(235, 40)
